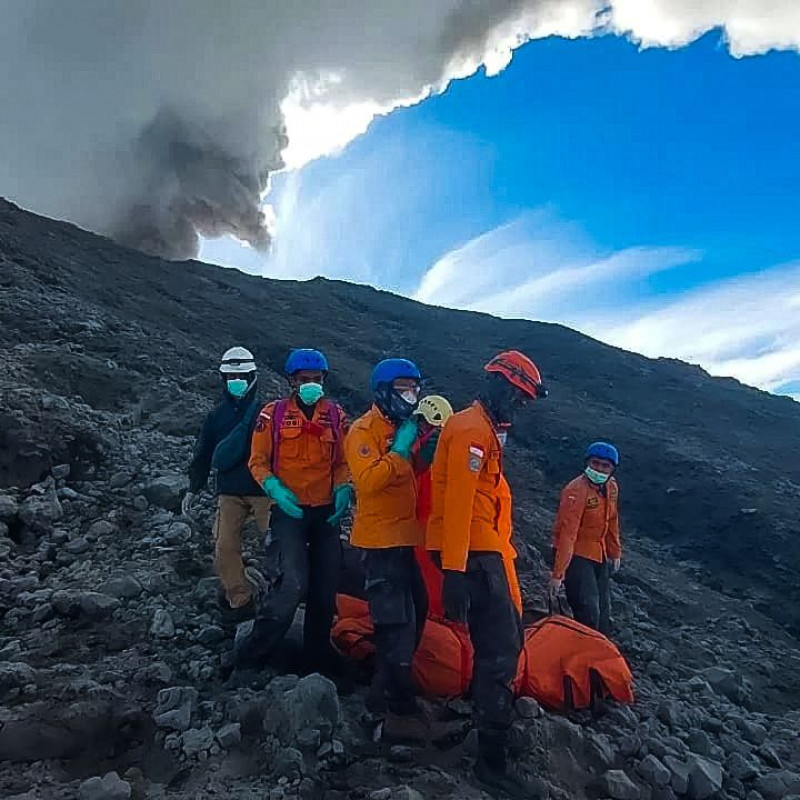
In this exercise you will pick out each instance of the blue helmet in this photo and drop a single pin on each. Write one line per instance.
(390, 369)
(603, 450)
(311, 360)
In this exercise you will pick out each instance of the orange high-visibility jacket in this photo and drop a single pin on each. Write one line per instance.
(467, 490)
(386, 490)
(310, 461)
(587, 524)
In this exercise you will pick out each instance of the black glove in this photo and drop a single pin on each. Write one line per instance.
(455, 595)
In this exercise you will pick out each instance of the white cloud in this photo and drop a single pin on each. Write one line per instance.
(541, 268)
(751, 26)
(746, 327)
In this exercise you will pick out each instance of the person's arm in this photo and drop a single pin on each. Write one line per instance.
(456, 455)
(260, 463)
(614, 546)
(567, 525)
(201, 458)
(371, 471)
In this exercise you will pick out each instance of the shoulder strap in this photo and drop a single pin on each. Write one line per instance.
(278, 413)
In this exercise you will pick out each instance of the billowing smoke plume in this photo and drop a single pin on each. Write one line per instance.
(156, 121)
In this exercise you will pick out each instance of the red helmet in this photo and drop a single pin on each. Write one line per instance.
(519, 370)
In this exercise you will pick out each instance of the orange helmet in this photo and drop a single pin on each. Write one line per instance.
(519, 370)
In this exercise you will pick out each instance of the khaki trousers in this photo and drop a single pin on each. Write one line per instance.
(232, 513)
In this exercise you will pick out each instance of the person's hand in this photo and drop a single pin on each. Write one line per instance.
(404, 438)
(554, 587)
(455, 595)
(342, 497)
(428, 450)
(616, 563)
(284, 498)
(187, 503)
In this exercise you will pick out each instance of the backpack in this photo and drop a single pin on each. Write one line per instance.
(567, 666)
(279, 412)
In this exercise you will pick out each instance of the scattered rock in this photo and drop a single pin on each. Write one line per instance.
(740, 768)
(288, 763)
(96, 605)
(162, 626)
(705, 778)
(124, 587)
(230, 735)
(61, 471)
(618, 786)
(174, 707)
(654, 772)
(109, 787)
(166, 492)
(528, 708)
(101, 529)
(9, 508)
(197, 740)
(311, 703)
(728, 683)
(40, 512)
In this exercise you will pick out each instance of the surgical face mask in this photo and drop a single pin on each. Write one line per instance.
(237, 387)
(598, 478)
(411, 396)
(310, 393)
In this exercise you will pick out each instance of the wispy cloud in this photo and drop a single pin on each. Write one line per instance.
(747, 327)
(539, 267)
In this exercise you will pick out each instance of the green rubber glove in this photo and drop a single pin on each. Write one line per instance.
(404, 438)
(342, 497)
(284, 498)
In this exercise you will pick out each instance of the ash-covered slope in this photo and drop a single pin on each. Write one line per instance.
(112, 657)
(710, 466)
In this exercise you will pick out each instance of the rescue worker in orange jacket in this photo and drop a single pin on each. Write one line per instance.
(298, 459)
(378, 448)
(468, 490)
(586, 539)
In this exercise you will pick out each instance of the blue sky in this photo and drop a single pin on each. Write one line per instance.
(646, 197)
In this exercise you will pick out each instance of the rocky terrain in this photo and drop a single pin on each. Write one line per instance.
(114, 667)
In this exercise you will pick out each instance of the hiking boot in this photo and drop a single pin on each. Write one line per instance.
(492, 770)
(508, 782)
(406, 728)
(421, 727)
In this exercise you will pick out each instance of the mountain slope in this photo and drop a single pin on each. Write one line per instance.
(709, 466)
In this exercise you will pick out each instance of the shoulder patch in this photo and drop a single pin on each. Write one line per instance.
(474, 463)
(477, 450)
(262, 421)
(364, 450)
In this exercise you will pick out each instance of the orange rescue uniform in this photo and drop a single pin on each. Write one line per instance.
(310, 460)
(587, 524)
(385, 484)
(470, 494)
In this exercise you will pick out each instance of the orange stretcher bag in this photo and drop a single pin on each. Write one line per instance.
(567, 666)
(442, 665)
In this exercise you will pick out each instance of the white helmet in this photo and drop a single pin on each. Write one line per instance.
(237, 360)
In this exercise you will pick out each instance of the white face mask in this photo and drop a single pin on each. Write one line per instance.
(411, 396)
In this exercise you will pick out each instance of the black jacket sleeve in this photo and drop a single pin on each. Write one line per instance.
(201, 460)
